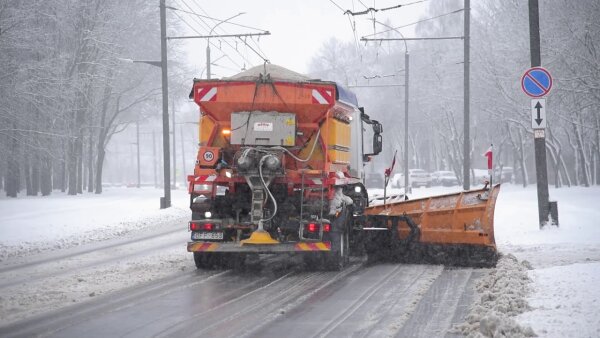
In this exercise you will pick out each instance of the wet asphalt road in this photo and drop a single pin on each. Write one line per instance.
(276, 298)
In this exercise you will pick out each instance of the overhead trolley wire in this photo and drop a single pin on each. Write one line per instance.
(373, 9)
(251, 38)
(416, 22)
(264, 58)
(200, 18)
(191, 12)
(212, 43)
(202, 22)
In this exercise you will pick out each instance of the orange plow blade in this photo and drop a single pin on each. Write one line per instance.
(454, 229)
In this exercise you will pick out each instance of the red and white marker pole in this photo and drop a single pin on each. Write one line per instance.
(489, 155)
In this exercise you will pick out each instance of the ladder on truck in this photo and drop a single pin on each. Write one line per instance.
(319, 189)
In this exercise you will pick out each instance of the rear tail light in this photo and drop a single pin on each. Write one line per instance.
(314, 227)
(199, 226)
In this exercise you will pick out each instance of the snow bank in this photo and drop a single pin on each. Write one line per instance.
(31, 225)
(503, 293)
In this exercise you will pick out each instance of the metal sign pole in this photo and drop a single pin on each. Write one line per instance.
(539, 134)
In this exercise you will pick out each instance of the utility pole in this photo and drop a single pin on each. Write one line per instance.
(182, 151)
(406, 73)
(208, 59)
(137, 142)
(466, 103)
(165, 201)
(174, 147)
(545, 207)
(154, 158)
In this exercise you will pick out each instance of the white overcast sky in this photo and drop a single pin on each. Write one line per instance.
(298, 29)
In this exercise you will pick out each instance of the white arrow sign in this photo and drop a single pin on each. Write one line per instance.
(538, 113)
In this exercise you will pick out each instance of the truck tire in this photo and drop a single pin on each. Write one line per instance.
(204, 260)
(339, 256)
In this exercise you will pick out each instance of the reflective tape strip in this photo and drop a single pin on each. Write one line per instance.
(195, 247)
(341, 181)
(314, 181)
(205, 178)
(319, 246)
(322, 96)
(207, 94)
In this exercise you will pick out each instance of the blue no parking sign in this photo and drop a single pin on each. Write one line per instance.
(536, 82)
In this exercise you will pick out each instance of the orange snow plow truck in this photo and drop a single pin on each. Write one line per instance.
(280, 170)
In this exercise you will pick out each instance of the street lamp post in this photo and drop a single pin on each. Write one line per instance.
(208, 43)
(165, 201)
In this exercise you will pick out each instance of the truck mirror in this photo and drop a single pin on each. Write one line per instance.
(377, 127)
(377, 143)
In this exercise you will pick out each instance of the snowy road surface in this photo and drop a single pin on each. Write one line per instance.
(127, 274)
(372, 301)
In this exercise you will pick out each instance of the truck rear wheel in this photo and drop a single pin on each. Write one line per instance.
(339, 256)
(204, 260)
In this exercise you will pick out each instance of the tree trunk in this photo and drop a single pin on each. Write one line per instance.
(576, 161)
(12, 171)
(27, 174)
(522, 160)
(72, 168)
(35, 175)
(597, 152)
(46, 177)
(554, 152)
(63, 175)
(582, 156)
(79, 157)
(90, 165)
(12, 177)
(99, 163)
(518, 149)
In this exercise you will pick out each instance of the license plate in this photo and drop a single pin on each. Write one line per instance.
(207, 235)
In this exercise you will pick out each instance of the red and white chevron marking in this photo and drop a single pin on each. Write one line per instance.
(322, 96)
(205, 178)
(207, 94)
(313, 181)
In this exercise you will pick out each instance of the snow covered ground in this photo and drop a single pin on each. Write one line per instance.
(36, 224)
(562, 299)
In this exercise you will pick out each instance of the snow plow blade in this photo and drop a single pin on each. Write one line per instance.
(454, 229)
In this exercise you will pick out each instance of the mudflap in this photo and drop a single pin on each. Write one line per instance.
(219, 260)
